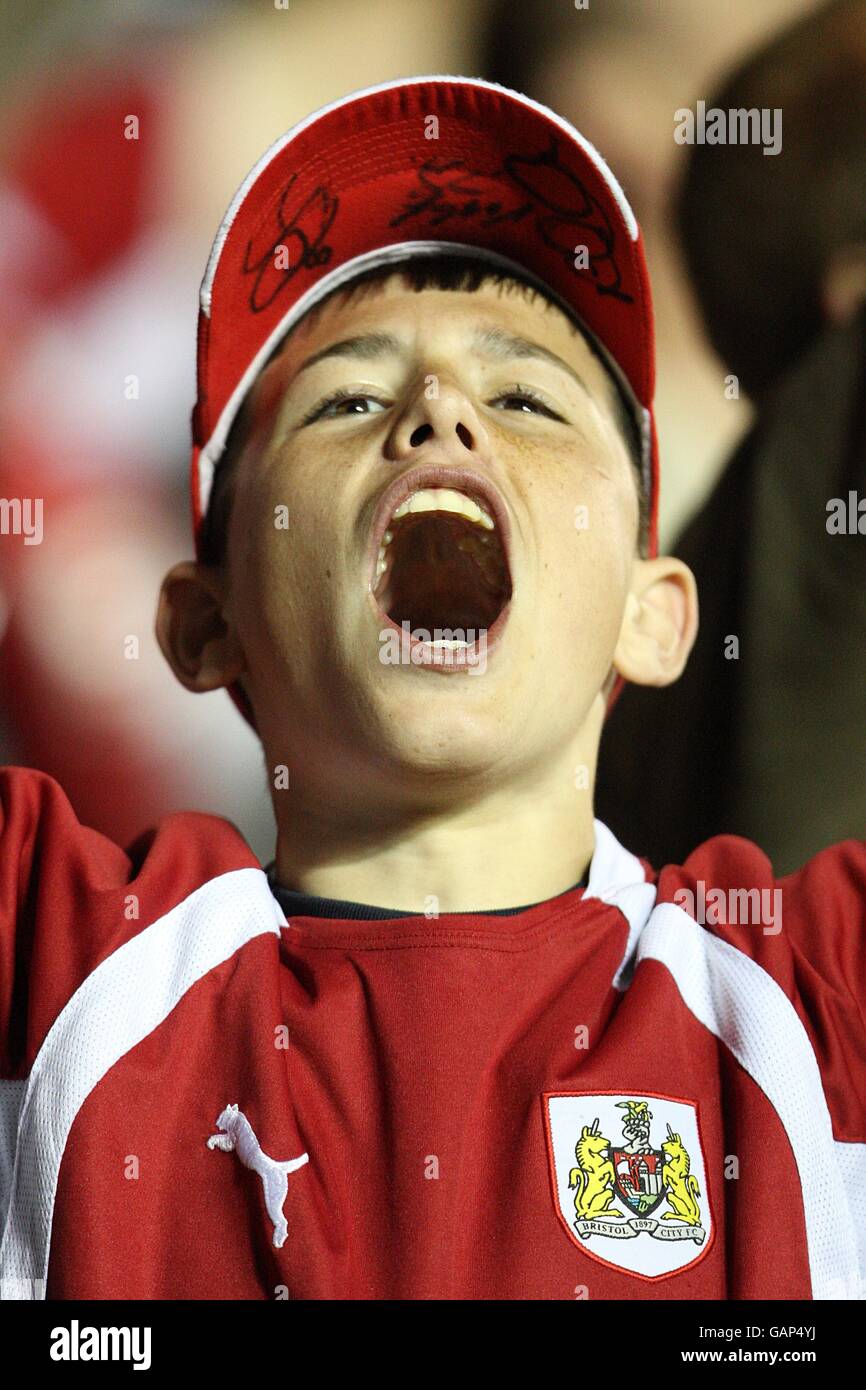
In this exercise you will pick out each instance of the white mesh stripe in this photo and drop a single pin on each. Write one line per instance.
(117, 1006)
(616, 877)
(750, 1013)
(11, 1097)
(851, 1158)
(271, 153)
(743, 1006)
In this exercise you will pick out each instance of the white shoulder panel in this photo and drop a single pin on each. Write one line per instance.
(738, 1001)
(742, 1005)
(117, 1006)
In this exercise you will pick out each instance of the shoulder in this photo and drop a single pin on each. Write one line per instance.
(777, 965)
(45, 852)
(70, 897)
(728, 885)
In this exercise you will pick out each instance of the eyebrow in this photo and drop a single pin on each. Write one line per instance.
(490, 342)
(367, 346)
(496, 343)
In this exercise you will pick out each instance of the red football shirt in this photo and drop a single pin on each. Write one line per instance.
(653, 1087)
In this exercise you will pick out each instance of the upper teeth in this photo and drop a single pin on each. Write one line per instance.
(445, 499)
(435, 499)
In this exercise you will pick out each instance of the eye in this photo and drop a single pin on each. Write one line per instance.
(524, 399)
(345, 402)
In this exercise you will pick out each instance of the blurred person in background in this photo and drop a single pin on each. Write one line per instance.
(776, 685)
(122, 126)
(623, 68)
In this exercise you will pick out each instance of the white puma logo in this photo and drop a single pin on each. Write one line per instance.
(238, 1134)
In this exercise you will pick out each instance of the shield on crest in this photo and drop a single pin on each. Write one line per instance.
(639, 1179)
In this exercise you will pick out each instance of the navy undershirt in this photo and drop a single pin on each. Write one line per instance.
(296, 904)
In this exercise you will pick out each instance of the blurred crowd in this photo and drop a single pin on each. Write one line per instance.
(105, 227)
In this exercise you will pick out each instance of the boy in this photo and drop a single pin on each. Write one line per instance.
(457, 1042)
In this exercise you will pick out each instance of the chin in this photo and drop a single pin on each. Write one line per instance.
(447, 735)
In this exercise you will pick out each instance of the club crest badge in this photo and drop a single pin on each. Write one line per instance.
(629, 1180)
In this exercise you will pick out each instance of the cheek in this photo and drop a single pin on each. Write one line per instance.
(295, 559)
(275, 526)
(585, 563)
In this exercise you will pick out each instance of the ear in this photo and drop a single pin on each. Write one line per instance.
(660, 622)
(196, 640)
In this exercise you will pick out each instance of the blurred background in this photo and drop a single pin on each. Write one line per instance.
(103, 242)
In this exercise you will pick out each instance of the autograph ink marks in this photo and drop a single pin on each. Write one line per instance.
(302, 230)
(447, 189)
(537, 187)
(526, 186)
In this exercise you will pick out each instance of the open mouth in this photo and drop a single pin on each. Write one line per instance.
(441, 574)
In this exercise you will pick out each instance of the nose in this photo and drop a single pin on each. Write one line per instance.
(441, 416)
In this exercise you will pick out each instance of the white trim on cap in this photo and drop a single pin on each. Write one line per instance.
(646, 448)
(271, 153)
(371, 260)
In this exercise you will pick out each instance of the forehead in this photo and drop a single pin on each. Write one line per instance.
(438, 321)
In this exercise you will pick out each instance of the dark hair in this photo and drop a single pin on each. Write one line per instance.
(445, 272)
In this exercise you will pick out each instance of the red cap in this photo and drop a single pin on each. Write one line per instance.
(412, 168)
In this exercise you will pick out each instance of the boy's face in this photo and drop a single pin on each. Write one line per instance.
(441, 384)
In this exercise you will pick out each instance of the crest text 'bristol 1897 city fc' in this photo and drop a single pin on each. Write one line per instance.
(629, 1179)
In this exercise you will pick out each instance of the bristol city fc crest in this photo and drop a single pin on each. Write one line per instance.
(629, 1179)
